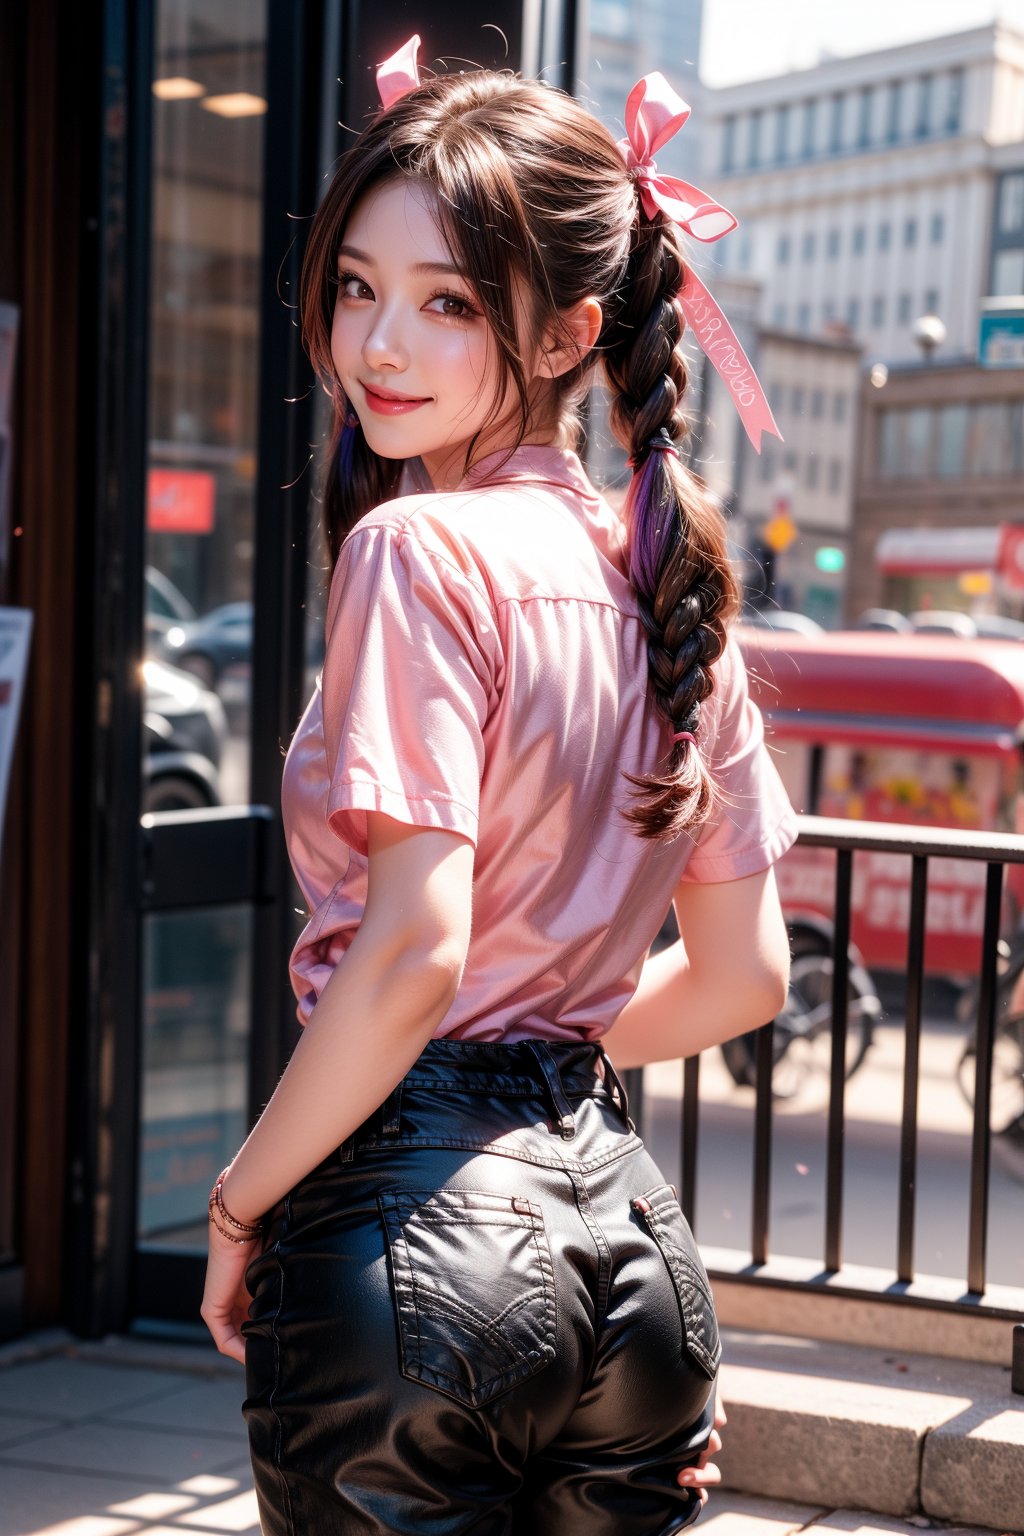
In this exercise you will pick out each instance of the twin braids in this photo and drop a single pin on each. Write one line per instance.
(532, 189)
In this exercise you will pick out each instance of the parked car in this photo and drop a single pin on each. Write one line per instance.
(211, 646)
(185, 732)
(165, 606)
(889, 619)
(782, 619)
(940, 621)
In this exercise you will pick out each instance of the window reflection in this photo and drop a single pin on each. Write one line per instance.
(208, 121)
(195, 1043)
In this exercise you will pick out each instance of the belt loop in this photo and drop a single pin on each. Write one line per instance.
(391, 1112)
(348, 1150)
(617, 1087)
(563, 1109)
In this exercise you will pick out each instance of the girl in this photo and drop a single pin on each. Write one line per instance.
(477, 1305)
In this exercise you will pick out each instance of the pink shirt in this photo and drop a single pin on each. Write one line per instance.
(486, 672)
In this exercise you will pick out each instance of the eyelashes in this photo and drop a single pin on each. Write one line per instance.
(463, 308)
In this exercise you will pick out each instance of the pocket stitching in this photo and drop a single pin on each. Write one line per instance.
(682, 1268)
(469, 1208)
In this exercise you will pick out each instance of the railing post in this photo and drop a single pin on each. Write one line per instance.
(981, 1141)
(911, 1068)
(762, 1144)
(837, 1089)
(688, 1139)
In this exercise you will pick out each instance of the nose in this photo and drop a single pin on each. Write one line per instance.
(383, 347)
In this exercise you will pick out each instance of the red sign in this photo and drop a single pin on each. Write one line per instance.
(180, 501)
(1010, 559)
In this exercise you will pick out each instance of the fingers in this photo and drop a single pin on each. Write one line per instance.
(708, 1476)
(721, 1419)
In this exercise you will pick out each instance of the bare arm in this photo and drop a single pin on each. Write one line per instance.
(380, 1006)
(729, 973)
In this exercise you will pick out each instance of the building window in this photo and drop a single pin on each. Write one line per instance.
(810, 129)
(838, 406)
(859, 239)
(779, 315)
(931, 301)
(835, 474)
(832, 244)
(923, 121)
(746, 250)
(729, 142)
(808, 246)
(1008, 273)
(782, 134)
(951, 449)
(853, 313)
(909, 232)
(878, 310)
(903, 308)
(938, 228)
(884, 235)
(796, 399)
(803, 317)
(828, 311)
(1011, 203)
(782, 250)
(894, 111)
(817, 403)
(791, 461)
(811, 471)
(955, 101)
(866, 103)
(754, 138)
(835, 132)
(767, 465)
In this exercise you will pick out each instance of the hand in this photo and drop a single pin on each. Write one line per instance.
(225, 1297)
(704, 1474)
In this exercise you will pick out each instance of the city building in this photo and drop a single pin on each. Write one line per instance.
(939, 510)
(626, 40)
(865, 187)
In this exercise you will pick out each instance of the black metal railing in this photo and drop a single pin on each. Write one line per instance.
(920, 845)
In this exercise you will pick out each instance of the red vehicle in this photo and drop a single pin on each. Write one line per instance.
(911, 728)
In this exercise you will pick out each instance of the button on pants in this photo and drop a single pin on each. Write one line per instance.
(484, 1313)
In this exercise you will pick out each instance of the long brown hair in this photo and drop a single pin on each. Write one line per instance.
(533, 198)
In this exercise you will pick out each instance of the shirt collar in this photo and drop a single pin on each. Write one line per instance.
(531, 462)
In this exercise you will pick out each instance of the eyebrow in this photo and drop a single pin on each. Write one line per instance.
(422, 268)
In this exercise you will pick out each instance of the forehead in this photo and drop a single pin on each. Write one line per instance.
(397, 220)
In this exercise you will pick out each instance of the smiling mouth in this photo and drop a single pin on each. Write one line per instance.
(393, 398)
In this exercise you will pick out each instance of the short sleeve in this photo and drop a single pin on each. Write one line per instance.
(407, 684)
(753, 823)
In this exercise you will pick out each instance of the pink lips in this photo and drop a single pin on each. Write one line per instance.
(390, 404)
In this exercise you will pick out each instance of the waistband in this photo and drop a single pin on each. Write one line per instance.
(561, 1070)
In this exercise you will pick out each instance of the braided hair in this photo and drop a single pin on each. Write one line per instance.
(677, 559)
(533, 198)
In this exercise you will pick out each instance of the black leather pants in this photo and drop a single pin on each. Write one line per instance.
(485, 1313)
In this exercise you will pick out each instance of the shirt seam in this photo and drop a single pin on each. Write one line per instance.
(400, 794)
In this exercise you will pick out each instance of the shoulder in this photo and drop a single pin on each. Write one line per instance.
(431, 526)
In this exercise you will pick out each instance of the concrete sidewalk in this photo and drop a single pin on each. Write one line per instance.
(128, 1436)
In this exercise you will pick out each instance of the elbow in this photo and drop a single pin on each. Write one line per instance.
(769, 988)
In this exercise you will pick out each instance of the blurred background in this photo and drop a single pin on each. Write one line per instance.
(159, 518)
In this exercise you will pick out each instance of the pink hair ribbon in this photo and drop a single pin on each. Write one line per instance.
(654, 114)
(400, 74)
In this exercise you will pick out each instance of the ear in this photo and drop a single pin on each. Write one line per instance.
(579, 330)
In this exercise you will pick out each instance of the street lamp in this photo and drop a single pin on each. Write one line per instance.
(929, 332)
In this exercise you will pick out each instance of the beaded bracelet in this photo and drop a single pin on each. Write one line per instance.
(216, 1200)
(250, 1238)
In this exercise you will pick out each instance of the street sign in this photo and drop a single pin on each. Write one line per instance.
(1001, 334)
(779, 532)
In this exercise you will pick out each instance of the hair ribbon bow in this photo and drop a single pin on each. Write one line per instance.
(654, 114)
(399, 74)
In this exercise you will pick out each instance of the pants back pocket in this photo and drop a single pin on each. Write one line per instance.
(660, 1213)
(473, 1288)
